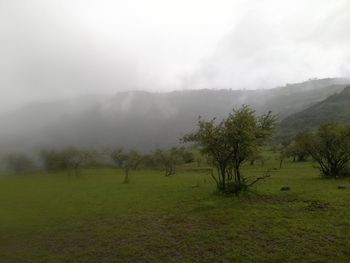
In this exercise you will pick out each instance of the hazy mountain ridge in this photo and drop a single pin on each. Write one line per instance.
(335, 107)
(146, 120)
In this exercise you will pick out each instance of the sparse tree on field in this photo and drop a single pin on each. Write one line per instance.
(76, 158)
(126, 161)
(119, 157)
(232, 142)
(168, 159)
(330, 148)
(134, 159)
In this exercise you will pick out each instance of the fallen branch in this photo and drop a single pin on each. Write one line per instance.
(266, 175)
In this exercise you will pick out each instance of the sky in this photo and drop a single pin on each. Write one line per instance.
(51, 49)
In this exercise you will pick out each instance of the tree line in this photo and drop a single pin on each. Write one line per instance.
(73, 159)
(226, 144)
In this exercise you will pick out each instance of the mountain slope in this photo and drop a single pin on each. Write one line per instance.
(335, 107)
(145, 120)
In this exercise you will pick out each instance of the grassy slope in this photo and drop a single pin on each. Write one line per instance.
(95, 218)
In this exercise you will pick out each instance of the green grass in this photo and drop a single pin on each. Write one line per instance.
(96, 218)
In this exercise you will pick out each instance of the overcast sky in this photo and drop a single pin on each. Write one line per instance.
(60, 48)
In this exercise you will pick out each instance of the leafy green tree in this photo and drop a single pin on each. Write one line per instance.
(297, 150)
(330, 148)
(232, 142)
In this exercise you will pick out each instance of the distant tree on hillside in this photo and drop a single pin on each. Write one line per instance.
(330, 148)
(232, 142)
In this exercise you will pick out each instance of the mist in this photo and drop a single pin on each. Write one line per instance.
(65, 49)
(138, 74)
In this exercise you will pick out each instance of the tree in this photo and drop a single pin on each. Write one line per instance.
(232, 142)
(76, 158)
(54, 160)
(283, 153)
(68, 158)
(18, 163)
(186, 155)
(297, 149)
(168, 159)
(119, 157)
(330, 148)
(126, 161)
(134, 159)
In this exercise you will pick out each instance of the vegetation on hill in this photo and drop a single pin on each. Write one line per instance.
(336, 107)
(145, 120)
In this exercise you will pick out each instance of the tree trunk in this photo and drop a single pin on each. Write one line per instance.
(126, 178)
(223, 177)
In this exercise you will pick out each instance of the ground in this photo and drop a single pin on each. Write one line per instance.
(96, 218)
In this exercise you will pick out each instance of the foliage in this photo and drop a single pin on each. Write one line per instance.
(126, 161)
(119, 157)
(76, 158)
(168, 159)
(330, 148)
(232, 142)
(296, 149)
(68, 158)
(335, 107)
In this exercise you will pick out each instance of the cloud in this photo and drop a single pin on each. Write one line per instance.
(65, 48)
(277, 42)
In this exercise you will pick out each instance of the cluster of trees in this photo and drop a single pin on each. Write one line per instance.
(73, 159)
(294, 149)
(167, 160)
(329, 147)
(226, 145)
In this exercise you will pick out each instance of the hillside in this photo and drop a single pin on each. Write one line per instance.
(335, 107)
(145, 120)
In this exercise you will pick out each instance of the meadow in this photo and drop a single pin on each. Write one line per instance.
(56, 217)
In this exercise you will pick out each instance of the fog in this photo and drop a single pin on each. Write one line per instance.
(67, 48)
(137, 74)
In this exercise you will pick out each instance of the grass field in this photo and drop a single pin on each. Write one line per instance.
(96, 218)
